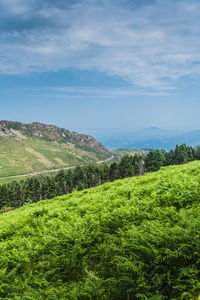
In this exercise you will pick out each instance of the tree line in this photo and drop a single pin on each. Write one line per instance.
(34, 189)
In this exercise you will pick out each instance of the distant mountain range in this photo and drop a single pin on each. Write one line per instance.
(151, 138)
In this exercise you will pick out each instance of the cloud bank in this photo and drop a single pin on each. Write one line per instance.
(153, 44)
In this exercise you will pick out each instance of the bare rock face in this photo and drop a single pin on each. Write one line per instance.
(51, 132)
(4, 129)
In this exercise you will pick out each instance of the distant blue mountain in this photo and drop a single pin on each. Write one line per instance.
(151, 138)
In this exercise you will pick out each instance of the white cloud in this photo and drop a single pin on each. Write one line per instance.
(151, 45)
(16, 7)
(68, 92)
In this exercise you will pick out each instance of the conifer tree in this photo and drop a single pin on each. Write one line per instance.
(113, 171)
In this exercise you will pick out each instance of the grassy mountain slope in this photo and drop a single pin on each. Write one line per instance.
(119, 153)
(136, 238)
(35, 147)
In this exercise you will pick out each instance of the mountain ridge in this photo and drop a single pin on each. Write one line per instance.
(28, 148)
(51, 132)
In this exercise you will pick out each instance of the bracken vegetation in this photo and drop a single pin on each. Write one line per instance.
(136, 238)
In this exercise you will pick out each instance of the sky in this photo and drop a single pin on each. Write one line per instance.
(101, 66)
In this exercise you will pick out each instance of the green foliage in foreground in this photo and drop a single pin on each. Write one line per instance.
(137, 238)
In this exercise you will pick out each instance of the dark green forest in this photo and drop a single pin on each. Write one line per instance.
(34, 189)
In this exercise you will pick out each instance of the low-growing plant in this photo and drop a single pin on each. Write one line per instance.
(136, 238)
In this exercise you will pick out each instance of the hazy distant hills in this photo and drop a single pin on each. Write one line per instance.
(26, 148)
(152, 138)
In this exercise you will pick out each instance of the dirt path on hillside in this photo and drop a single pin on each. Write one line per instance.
(51, 171)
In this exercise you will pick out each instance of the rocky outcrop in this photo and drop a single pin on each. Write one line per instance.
(51, 132)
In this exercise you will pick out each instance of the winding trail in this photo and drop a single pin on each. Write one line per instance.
(52, 170)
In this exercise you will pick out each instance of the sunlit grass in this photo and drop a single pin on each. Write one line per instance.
(136, 238)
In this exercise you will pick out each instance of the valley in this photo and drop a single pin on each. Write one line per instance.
(48, 172)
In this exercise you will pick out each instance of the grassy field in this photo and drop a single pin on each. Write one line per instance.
(136, 238)
(19, 178)
(25, 155)
(119, 153)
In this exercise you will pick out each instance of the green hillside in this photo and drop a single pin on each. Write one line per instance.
(119, 153)
(26, 148)
(137, 238)
(34, 154)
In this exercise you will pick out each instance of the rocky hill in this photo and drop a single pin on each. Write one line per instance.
(26, 148)
(50, 132)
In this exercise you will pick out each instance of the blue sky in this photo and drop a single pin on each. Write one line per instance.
(98, 66)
